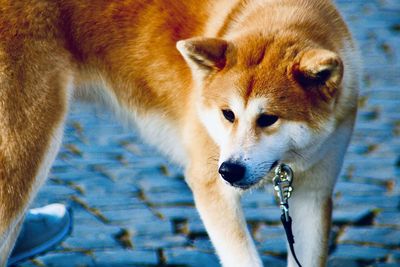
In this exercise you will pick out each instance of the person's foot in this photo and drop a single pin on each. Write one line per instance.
(42, 229)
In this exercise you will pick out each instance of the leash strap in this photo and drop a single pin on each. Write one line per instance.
(283, 186)
(287, 225)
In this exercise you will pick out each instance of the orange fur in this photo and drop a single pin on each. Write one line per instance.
(129, 46)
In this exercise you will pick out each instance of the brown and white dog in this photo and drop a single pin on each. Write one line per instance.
(251, 83)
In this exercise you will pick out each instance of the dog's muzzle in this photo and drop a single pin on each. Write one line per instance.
(234, 173)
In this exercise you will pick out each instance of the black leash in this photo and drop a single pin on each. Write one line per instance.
(283, 186)
(287, 225)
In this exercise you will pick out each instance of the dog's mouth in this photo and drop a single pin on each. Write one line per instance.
(273, 166)
(245, 186)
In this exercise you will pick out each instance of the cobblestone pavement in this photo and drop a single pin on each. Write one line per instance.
(132, 208)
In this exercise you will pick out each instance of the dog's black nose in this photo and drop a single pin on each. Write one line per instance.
(232, 172)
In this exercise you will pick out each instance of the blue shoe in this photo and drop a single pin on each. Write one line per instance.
(42, 230)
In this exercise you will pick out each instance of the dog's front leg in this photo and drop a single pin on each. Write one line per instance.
(311, 202)
(221, 212)
(310, 208)
(311, 215)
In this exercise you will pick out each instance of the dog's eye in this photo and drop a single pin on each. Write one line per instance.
(229, 115)
(266, 120)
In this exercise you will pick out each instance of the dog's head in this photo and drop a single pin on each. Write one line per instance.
(263, 101)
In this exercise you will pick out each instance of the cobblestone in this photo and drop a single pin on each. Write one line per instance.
(64, 259)
(190, 257)
(382, 236)
(365, 254)
(124, 257)
(389, 218)
(133, 208)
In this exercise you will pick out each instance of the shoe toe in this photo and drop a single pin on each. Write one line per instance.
(43, 229)
(53, 210)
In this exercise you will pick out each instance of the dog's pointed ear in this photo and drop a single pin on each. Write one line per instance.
(318, 69)
(204, 55)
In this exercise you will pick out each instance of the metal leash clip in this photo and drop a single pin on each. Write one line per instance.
(283, 186)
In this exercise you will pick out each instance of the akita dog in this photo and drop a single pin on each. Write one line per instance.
(225, 88)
